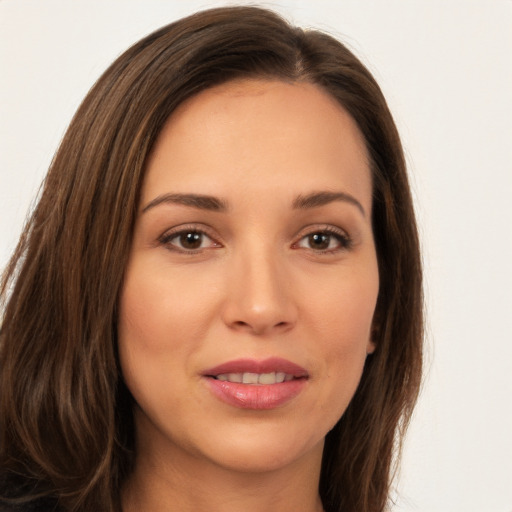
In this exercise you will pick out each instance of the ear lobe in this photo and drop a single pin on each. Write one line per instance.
(374, 332)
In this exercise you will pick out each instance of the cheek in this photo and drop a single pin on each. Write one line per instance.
(164, 315)
(149, 331)
(344, 321)
(352, 329)
(159, 309)
(343, 310)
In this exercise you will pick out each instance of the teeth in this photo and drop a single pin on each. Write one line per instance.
(255, 378)
(267, 378)
(250, 378)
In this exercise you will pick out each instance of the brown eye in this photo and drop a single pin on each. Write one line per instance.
(192, 240)
(319, 241)
(324, 241)
(188, 240)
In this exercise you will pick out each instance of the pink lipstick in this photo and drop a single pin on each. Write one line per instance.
(251, 384)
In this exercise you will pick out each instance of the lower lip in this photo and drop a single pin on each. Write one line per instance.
(256, 396)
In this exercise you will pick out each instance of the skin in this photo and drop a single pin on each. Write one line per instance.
(257, 286)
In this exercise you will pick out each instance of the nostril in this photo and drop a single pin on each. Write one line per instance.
(259, 327)
(241, 324)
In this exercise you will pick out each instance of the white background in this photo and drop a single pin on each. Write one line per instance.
(446, 69)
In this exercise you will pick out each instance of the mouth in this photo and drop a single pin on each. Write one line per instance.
(251, 384)
(255, 378)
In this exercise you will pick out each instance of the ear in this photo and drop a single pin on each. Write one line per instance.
(374, 333)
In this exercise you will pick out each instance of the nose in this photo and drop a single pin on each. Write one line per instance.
(259, 295)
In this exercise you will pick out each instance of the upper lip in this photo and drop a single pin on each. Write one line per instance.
(272, 364)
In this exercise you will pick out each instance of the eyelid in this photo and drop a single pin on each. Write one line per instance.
(346, 240)
(175, 231)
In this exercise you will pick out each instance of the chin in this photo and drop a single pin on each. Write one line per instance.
(260, 449)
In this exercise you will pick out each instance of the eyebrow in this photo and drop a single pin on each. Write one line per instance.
(212, 203)
(200, 201)
(316, 199)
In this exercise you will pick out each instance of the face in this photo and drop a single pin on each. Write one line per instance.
(247, 305)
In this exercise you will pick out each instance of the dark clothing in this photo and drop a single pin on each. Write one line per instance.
(41, 505)
(16, 487)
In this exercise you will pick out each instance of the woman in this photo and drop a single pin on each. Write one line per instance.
(217, 301)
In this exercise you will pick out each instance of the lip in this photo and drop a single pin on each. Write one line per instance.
(256, 396)
(272, 364)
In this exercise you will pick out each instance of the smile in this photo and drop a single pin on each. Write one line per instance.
(256, 378)
(259, 385)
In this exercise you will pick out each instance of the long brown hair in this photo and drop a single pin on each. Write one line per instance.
(66, 426)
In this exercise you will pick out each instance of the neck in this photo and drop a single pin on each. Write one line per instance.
(172, 484)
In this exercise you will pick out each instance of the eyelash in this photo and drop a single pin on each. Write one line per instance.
(344, 242)
(167, 238)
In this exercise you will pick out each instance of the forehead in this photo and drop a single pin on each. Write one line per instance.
(259, 133)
